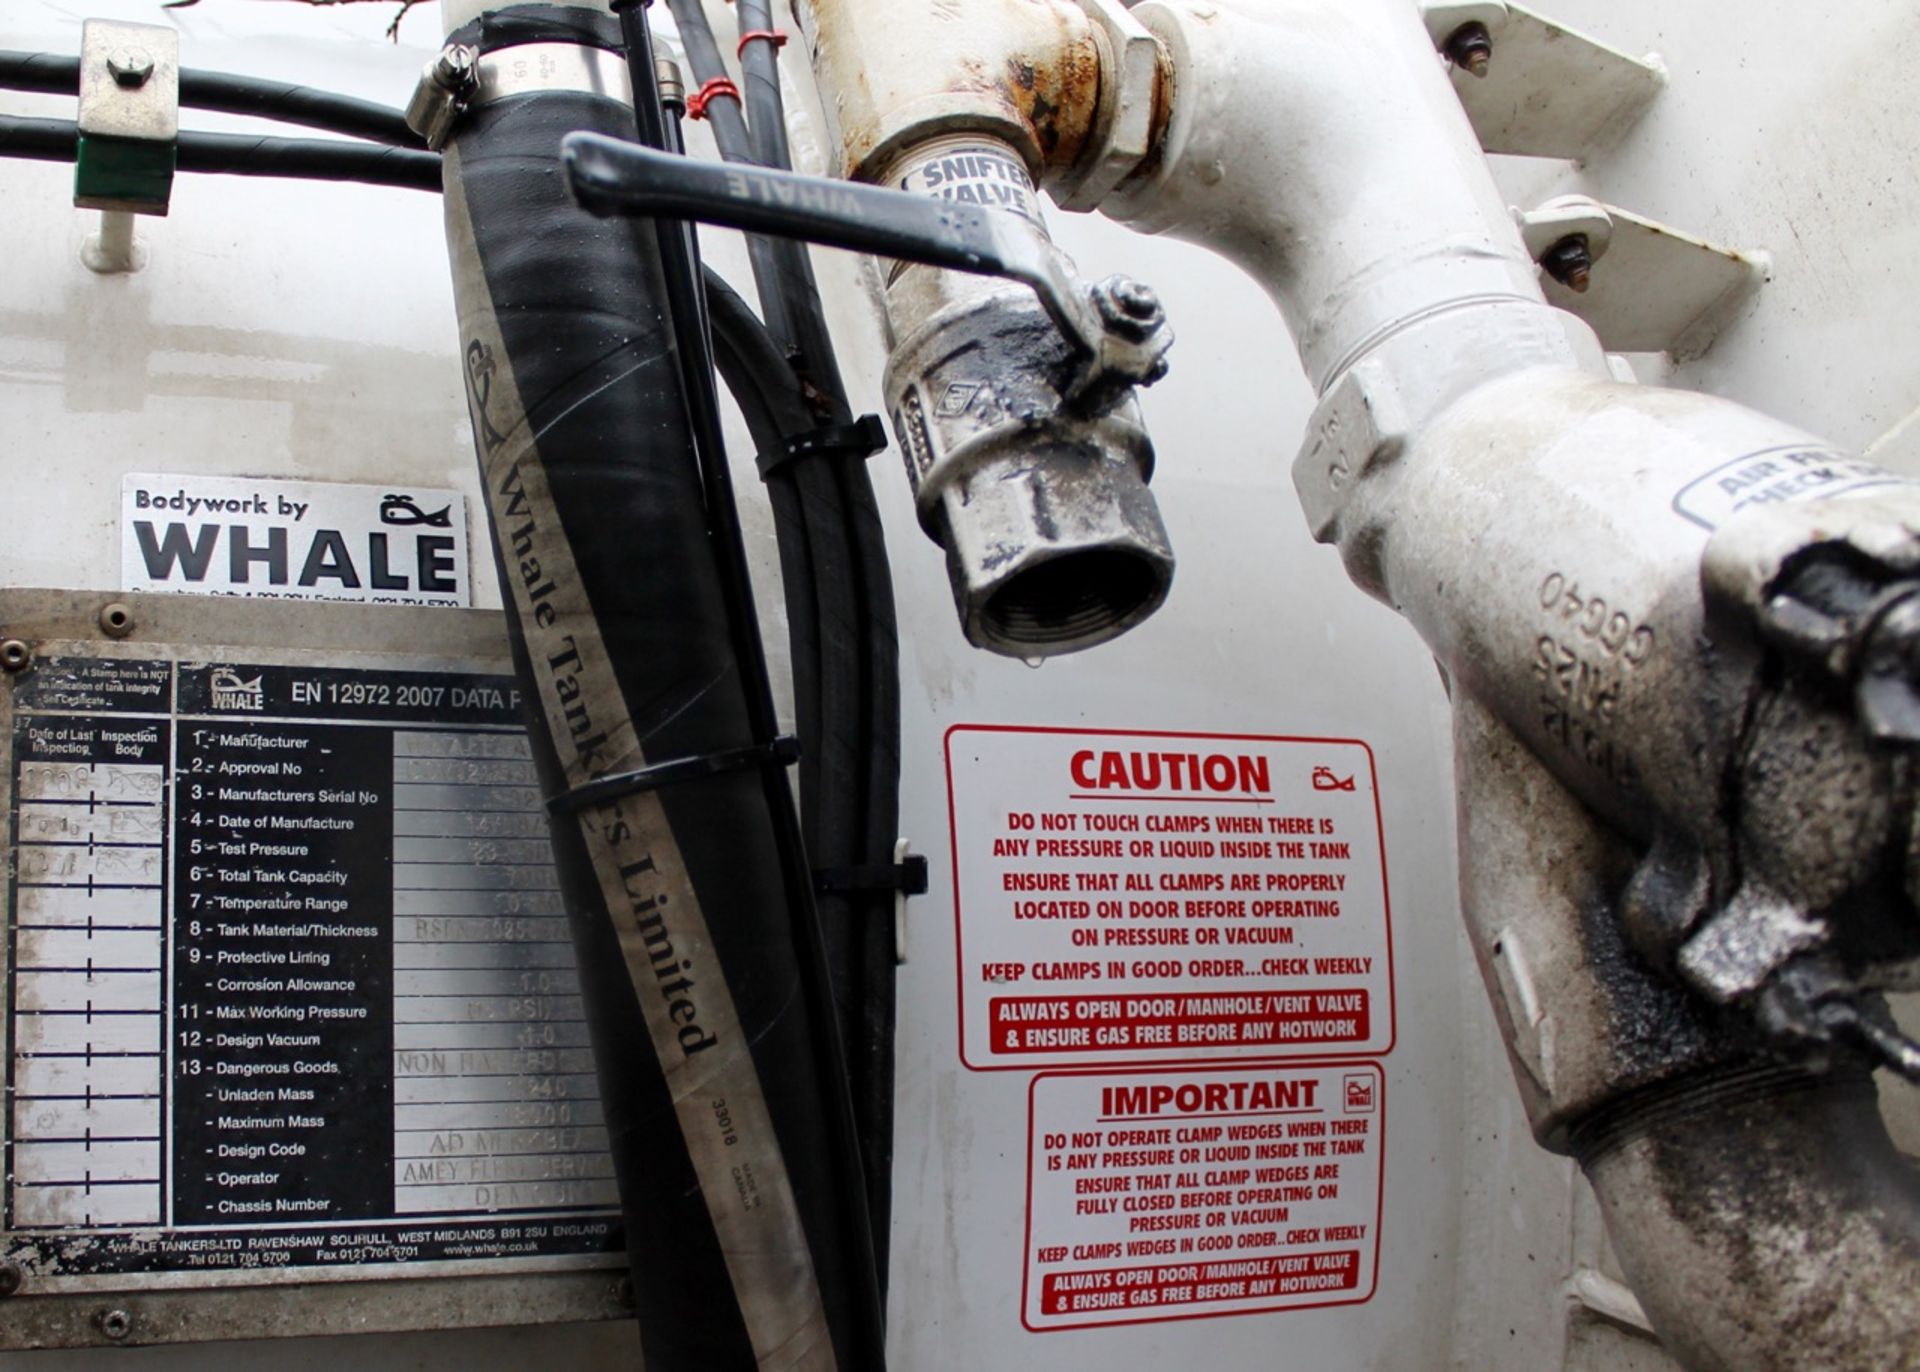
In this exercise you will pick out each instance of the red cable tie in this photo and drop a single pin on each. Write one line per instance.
(697, 102)
(777, 37)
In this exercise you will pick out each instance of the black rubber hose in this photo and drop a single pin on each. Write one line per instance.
(730, 1172)
(231, 154)
(53, 74)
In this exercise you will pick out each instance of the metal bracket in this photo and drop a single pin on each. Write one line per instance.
(1548, 90)
(1117, 327)
(129, 117)
(1660, 289)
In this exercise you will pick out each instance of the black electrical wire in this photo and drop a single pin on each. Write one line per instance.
(678, 251)
(851, 767)
(798, 295)
(725, 113)
(790, 300)
(54, 74)
(242, 154)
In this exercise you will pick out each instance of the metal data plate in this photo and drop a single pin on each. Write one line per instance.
(293, 1032)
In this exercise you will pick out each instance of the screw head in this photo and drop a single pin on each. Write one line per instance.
(130, 66)
(456, 67)
(1570, 262)
(11, 1278)
(116, 620)
(1471, 46)
(15, 656)
(116, 1324)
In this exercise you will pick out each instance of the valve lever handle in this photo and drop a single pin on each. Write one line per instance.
(610, 177)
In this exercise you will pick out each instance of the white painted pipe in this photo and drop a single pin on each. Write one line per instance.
(1320, 146)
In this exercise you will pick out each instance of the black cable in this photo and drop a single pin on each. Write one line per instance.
(791, 300)
(684, 298)
(724, 112)
(40, 140)
(54, 74)
(240, 154)
(851, 767)
(803, 327)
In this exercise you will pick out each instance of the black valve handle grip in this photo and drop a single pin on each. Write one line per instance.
(609, 177)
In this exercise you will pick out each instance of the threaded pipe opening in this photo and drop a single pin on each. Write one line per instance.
(1073, 601)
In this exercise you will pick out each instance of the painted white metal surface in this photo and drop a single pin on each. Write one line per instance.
(283, 329)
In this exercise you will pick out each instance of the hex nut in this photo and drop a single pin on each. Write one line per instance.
(1570, 262)
(1128, 307)
(116, 620)
(130, 67)
(1471, 46)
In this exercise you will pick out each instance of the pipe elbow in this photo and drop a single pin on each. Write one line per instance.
(1766, 1221)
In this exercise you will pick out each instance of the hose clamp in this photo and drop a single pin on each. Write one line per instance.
(446, 83)
(461, 78)
(535, 68)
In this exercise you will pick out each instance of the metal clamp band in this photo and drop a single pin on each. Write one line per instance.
(530, 68)
(782, 752)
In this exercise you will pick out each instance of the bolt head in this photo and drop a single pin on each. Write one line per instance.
(130, 67)
(456, 65)
(1129, 308)
(1570, 262)
(1136, 300)
(1471, 46)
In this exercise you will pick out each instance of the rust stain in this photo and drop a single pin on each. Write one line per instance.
(1058, 93)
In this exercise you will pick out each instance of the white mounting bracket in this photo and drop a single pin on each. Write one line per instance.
(1659, 290)
(1549, 91)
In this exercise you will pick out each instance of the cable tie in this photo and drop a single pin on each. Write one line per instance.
(712, 90)
(906, 877)
(782, 752)
(863, 438)
(777, 37)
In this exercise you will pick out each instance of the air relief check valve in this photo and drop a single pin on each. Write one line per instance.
(1014, 404)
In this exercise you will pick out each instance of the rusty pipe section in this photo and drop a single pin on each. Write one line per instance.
(1682, 639)
(1053, 541)
(1023, 74)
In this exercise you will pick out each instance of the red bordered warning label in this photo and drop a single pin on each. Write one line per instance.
(1190, 1195)
(1125, 898)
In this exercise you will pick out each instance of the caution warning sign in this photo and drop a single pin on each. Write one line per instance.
(1123, 898)
(1186, 1195)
